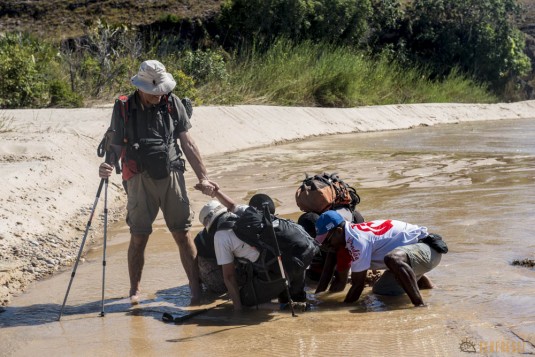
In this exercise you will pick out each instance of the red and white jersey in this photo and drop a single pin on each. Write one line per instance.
(369, 242)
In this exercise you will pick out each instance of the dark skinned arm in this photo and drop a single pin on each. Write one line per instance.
(357, 285)
(327, 273)
(340, 281)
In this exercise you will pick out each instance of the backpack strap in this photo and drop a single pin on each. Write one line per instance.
(123, 108)
(170, 105)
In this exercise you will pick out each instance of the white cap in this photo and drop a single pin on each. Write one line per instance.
(153, 79)
(210, 212)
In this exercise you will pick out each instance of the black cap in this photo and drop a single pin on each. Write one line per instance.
(258, 200)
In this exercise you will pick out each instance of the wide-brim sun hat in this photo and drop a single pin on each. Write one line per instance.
(152, 78)
(326, 222)
(210, 211)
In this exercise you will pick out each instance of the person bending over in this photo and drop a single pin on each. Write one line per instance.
(383, 244)
(229, 248)
(210, 272)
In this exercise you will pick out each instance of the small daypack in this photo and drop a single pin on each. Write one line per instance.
(320, 193)
(435, 241)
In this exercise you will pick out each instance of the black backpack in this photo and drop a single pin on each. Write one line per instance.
(294, 242)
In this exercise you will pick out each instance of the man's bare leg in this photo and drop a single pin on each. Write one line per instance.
(188, 257)
(136, 261)
(397, 262)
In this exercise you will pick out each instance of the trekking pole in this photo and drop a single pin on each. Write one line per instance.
(168, 317)
(82, 245)
(103, 149)
(269, 223)
(104, 247)
(111, 158)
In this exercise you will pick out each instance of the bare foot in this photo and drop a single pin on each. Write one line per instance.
(134, 298)
(425, 283)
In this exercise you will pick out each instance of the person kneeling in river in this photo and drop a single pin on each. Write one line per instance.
(406, 250)
(211, 274)
(231, 246)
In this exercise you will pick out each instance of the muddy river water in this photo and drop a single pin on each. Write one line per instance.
(473, 183)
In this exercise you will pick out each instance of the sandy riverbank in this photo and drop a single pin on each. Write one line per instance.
(48, 165)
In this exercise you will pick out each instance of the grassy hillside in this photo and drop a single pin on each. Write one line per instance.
(66, 18)
(91, 77)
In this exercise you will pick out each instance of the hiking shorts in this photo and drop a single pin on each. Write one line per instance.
(211, 274)
(146, 196)
(422, 259)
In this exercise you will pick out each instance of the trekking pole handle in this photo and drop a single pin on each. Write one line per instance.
(104, 150)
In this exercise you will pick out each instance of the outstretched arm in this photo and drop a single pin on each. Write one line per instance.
(193, 155)
(327, 272)
(225, 200)
(357, 285)
(340, 281)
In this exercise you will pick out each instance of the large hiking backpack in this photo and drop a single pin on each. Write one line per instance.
(320, 193)
(264, 279)
(257, 289)
(294, 242)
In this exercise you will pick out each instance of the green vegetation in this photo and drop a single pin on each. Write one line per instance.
(334, 53)
(31, 74)
(477, 36)
(264, 21)
(332, 76)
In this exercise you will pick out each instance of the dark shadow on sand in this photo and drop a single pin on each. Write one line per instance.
(40, 314)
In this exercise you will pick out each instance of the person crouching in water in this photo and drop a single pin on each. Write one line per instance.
(229, 248)
(210, 272)
(406, 250)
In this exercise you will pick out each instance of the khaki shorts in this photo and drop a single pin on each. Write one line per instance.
(146, 196)
(422, 259)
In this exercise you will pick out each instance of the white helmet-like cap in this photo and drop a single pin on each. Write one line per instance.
(152, 78)
(210, 212)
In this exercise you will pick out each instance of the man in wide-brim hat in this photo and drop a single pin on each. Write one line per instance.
(150, 134)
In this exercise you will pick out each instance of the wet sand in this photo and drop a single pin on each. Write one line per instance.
(471, 183)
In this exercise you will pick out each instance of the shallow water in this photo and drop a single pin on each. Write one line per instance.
(473, 183)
